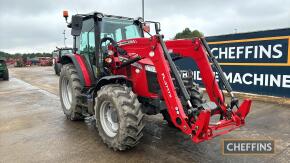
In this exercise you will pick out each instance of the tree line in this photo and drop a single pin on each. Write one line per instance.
(24, 55)
(188, 34)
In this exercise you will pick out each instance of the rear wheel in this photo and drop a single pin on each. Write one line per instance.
(70, 92)
(118, 117)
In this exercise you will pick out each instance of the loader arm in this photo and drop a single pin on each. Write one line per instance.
(198, 128)
(193, 49)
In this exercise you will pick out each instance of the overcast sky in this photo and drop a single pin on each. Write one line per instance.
(37, 25)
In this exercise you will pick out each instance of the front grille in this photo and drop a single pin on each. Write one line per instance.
(152, 82)
(153, 85)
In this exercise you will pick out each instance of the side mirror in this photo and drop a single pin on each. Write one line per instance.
(76, 25)
(146, 27)
(157, 27)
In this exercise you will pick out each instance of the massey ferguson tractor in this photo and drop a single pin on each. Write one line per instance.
(118, 75)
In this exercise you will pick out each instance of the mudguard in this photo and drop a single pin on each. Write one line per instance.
(83, 69)
(111, 79)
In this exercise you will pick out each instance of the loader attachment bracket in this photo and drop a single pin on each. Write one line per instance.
(204, 130)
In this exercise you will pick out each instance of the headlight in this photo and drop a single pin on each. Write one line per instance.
(150, 68)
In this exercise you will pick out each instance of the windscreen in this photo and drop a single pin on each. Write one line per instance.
(119, 29)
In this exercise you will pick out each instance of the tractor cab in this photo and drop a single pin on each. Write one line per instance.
(95, 31)
(92, 31)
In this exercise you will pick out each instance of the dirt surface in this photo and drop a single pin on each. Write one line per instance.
(33, 128)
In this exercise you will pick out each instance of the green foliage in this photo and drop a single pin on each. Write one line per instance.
(24, 55)
(4, 55)
(188, 34)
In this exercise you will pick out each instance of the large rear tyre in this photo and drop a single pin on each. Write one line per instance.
(118, 117)
(70, 92)
(6, 76)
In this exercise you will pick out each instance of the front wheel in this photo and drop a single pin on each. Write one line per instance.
(70, 92)
(118, 117)
(57, 69)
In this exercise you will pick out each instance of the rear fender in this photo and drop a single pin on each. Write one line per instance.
(83, 69)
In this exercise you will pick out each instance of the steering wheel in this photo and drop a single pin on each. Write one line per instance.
(105, 39)
(114, 43)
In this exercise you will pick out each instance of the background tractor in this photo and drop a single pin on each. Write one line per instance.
(57, 54)
(118, 74)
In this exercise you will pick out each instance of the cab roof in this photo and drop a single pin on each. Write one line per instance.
(95, 13)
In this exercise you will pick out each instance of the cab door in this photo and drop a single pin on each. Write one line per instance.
(87, 45)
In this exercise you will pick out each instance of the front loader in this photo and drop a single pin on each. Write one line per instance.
(118, 75)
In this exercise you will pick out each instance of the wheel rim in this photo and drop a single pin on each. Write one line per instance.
(109, 119)
(66, 93)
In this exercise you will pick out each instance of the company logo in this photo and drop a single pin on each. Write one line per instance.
(236, 146)
(258, 50)
(127, 42)
(254, 79)
(249, 51)
(166, 85)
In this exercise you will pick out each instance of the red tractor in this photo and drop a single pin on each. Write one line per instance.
(118, 75)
